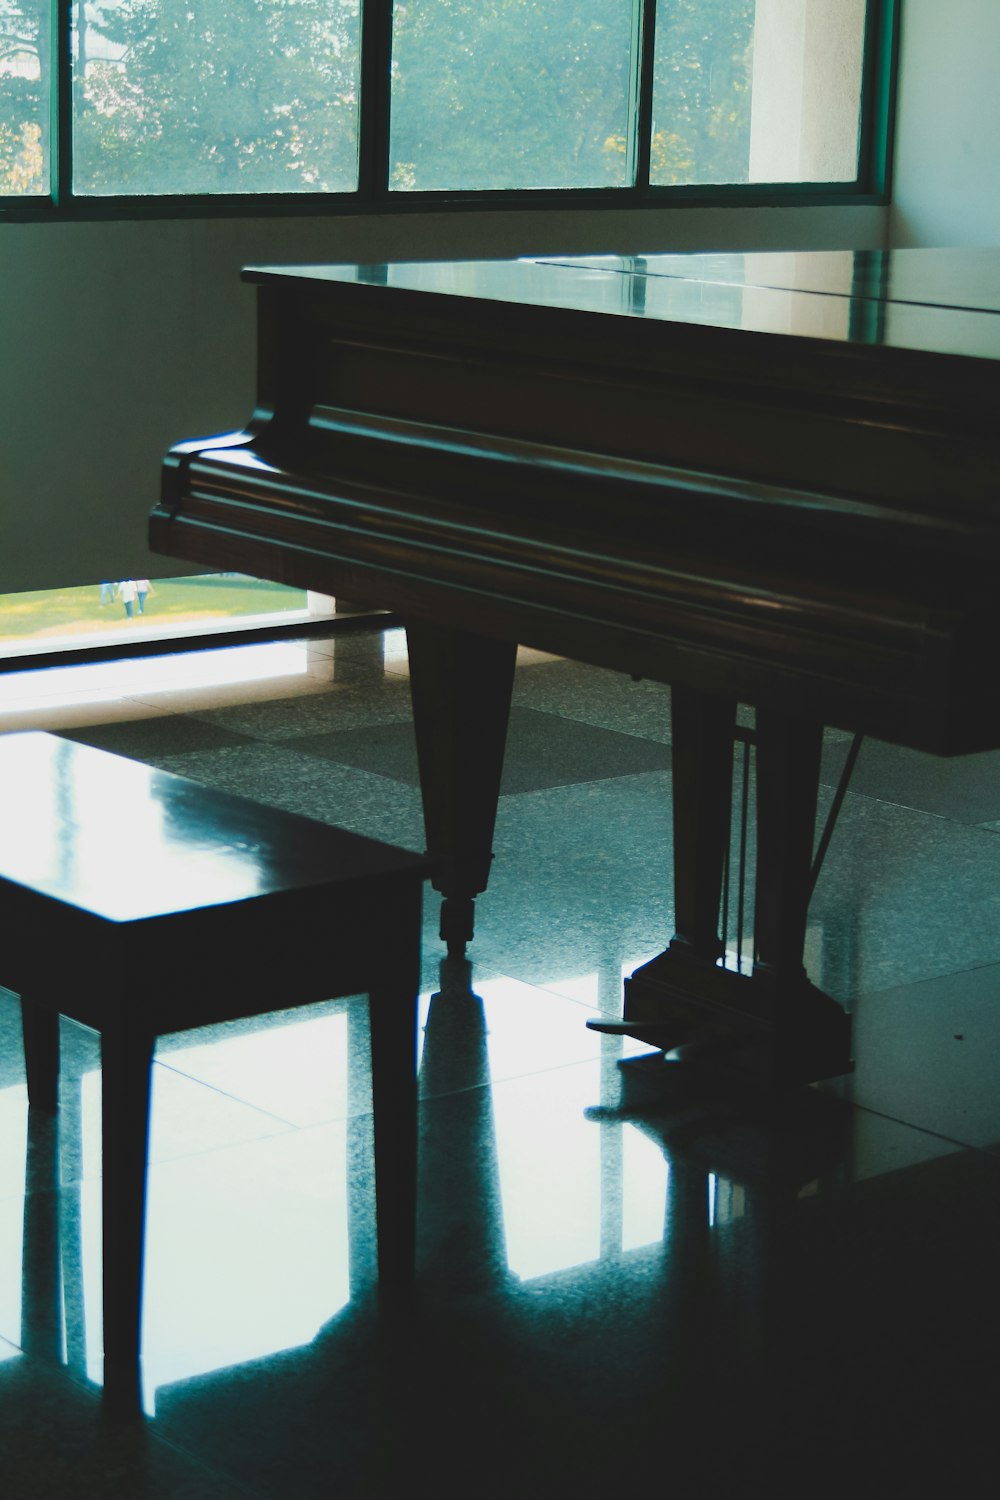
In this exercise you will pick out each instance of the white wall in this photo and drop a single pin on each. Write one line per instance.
(807, 61)
(118, 339)
(946, 188)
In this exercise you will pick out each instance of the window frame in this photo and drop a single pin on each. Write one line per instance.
(374, 195)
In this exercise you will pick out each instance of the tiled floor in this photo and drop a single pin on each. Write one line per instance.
(698, 1299)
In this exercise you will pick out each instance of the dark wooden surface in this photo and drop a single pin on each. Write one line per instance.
(788, 495)
(202, 887)
(117, 840)
(140, 903)
(762, 478)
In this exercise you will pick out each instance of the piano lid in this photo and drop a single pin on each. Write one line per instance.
(937, 301)
(967, 279)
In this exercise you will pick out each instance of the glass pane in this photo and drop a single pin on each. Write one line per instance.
(510, 93)
(24, 81)
(757, 91)
(214, 96)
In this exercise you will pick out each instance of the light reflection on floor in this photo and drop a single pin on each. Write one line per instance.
(228, 1278)
(108, 681)
(574, 1260)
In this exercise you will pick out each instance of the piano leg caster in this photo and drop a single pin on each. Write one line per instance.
(457, 921)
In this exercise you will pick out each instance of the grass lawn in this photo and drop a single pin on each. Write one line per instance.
(68, 614)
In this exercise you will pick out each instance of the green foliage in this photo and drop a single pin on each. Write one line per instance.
(23, 97)
(509, 93)
(701, 93)
(210, 96)
(534, 93)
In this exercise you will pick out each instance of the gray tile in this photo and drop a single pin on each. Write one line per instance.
(965, 789)
(581, 880)
(370, 650)
(543, 750)
(564, 1271)
(605, 699)
(59, 712)
(386, 749)
(282, 777)
(11, 1041)
(185, 1119)
(152, 740)
(538, 1123)
(902, 896)
(344, 705)
(300, 1071)
(56, 1444)
(593, 695)
(542, 1241)
(566, 1242)
(500, 1028)
(926, 1053)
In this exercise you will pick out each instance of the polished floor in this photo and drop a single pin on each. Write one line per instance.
(623, 1281)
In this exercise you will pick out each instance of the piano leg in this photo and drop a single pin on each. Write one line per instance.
(701, 732)
(812, 1033)
(461, 688)
(771, 1026)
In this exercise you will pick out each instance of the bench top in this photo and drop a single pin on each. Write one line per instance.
(125, 842)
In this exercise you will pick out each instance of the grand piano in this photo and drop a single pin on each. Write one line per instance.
(765, 479)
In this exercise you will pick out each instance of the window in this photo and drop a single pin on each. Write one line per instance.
(25, 73)
(112, 612)
(108, 105)
(214, 96)
(502, 95)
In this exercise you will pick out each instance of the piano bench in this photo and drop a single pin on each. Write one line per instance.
(140, 903)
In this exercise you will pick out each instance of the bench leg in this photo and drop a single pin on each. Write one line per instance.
(393, 1007)
(41, 1285)
(40, 1028)
(126, 1060)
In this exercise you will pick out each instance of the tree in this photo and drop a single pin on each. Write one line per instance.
(701, 92)
(210, 96)
(509, 93)
(534, 93)
(23, 101)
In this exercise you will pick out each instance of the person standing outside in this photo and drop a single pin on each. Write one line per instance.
(142, 589)
(128, 592)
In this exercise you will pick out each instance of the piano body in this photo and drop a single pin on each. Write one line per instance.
(764, 479)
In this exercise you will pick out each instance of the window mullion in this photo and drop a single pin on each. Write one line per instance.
(878, 95)
(60, 102)
(640, 127)
(375, 83)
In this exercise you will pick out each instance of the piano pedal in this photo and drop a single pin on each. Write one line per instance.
(653, 1032)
